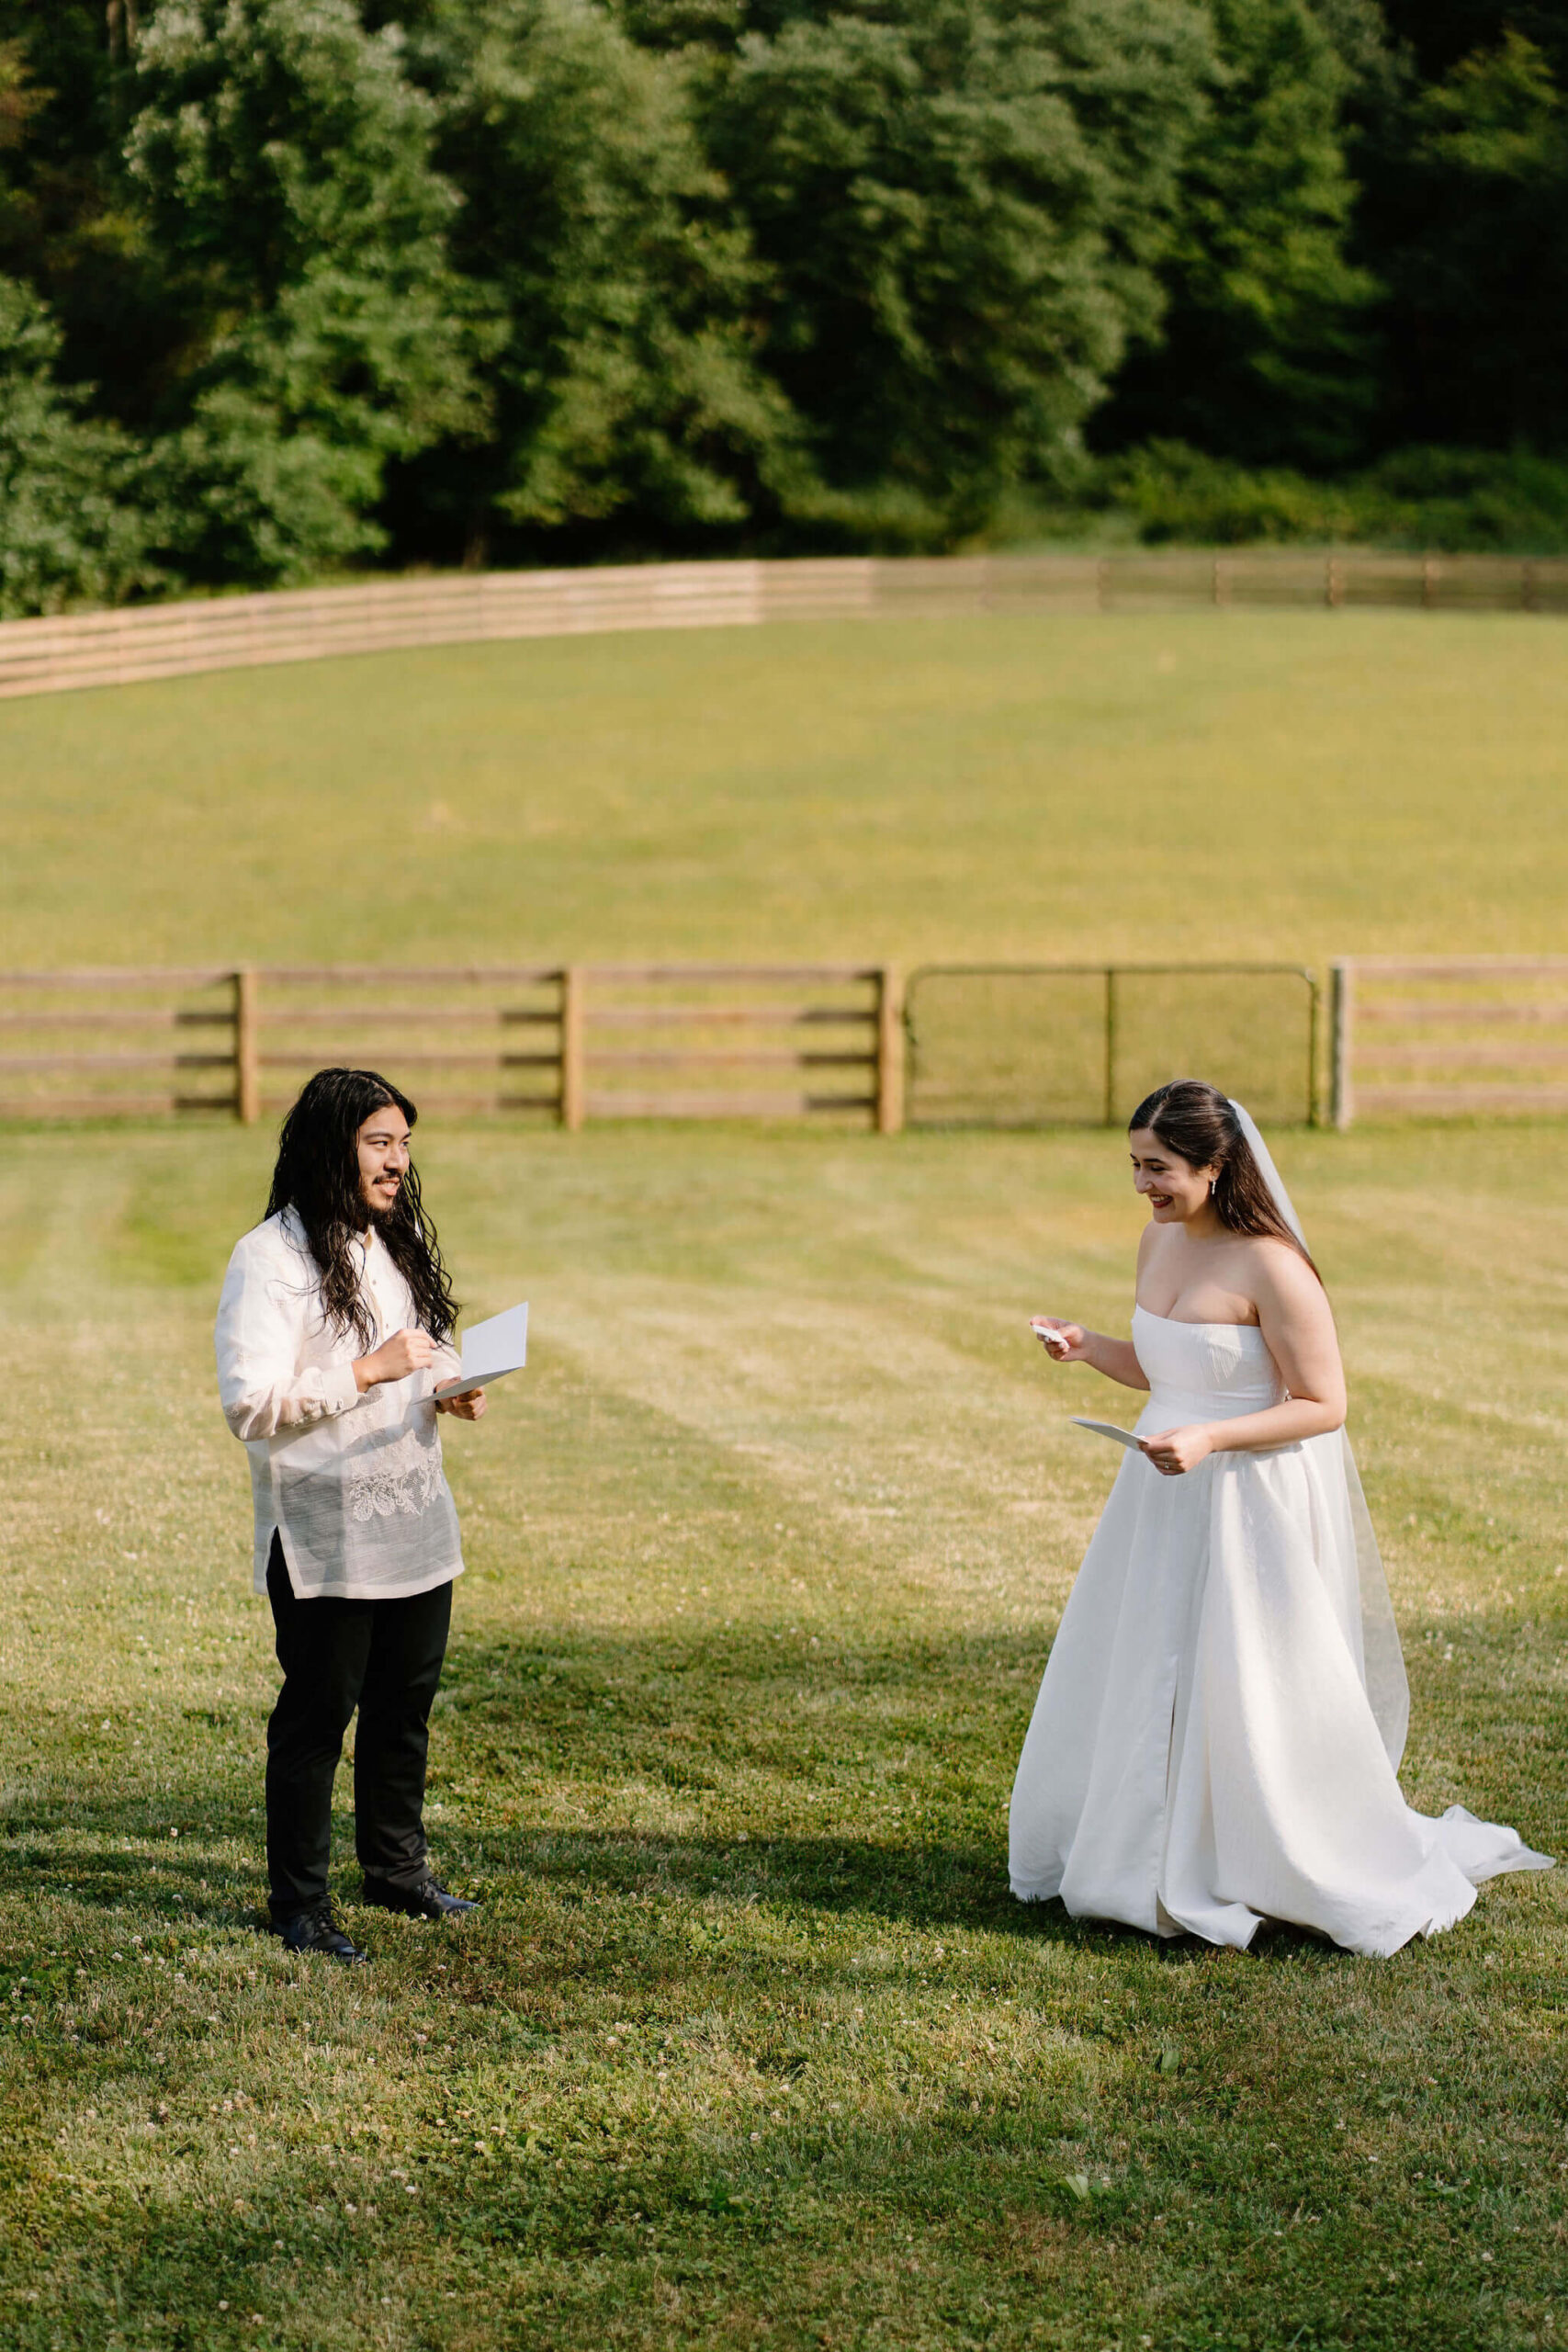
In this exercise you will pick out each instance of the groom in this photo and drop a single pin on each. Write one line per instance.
(332, 1334)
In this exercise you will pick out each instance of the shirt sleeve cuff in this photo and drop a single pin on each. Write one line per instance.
(339, 1388)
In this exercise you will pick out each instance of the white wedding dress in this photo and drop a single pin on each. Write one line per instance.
(1217, 1739)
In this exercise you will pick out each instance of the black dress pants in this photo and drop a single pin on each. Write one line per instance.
(385, 1658)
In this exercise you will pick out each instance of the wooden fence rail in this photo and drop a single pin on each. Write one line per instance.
(1449, 1036)
(976, 1045)
(147, 641)
(1027, 1045)
(118, 1042)
(588, 1041)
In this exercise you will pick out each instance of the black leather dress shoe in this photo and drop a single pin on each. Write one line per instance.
(428, 1900)
(317, 1930)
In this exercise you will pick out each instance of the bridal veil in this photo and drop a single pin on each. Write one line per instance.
(1359, 1589)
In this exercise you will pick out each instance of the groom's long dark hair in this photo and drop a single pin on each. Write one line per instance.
(1198, 1124)
(317, 1176)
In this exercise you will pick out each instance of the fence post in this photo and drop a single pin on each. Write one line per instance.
(1109, 1045)
(889, 1051)
(1341, 1096)
(572, 1105)
(247, 1057)
(1334, 582)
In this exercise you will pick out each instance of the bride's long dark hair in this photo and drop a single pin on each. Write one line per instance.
(317, 1176)
(1197, 1122)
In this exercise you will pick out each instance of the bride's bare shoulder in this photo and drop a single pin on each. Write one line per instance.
(1265, 1249)
(1278, 1273)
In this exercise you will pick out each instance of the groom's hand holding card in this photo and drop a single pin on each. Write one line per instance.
(490, 1351)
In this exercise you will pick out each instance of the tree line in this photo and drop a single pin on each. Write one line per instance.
(293, 285)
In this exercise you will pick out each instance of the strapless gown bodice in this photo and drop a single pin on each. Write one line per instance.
(1217, 1737)
(1204, 1371)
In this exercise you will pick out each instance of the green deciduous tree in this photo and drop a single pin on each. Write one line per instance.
(68, 225)
(284, 158)
(76, 524)
(1441, 34)
(1479, 255)
(958, 206)
(627, 398)
(1265, 354)
(287, 284)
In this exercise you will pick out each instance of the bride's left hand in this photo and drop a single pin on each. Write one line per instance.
(1175, 1450)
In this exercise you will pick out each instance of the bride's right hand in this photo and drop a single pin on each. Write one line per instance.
(1062, 1342)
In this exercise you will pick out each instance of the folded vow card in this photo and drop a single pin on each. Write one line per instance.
(490, 1351)
(1106, 1428)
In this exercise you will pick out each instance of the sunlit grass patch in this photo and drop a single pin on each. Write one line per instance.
(1193, 786)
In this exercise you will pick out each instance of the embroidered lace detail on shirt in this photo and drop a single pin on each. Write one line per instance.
(403, 1477)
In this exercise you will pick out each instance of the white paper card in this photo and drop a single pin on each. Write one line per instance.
(1107, 1429)
(1053, 1340)
(490, 1351)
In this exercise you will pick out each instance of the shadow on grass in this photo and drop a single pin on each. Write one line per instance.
(948, 1887)
(96, 1853)
(752, 1721)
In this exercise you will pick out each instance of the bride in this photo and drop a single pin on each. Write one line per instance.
(1217, 1739)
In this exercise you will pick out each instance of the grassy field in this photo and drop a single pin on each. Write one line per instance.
(1190, 785)
(749, 2044)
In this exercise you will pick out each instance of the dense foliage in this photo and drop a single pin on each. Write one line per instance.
(288, 285)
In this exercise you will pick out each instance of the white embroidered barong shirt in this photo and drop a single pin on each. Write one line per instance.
(353, 1485)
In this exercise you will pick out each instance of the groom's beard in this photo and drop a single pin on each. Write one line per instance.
(392, 1220)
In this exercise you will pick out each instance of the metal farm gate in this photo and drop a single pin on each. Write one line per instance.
(1079, 1044)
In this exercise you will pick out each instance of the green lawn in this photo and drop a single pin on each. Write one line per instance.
(1190, 785)
(749, 2044)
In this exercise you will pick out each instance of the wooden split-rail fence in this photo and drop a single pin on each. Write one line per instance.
(680, 1041)
(838, 1043)
(1478, 1036)
(137, 643)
